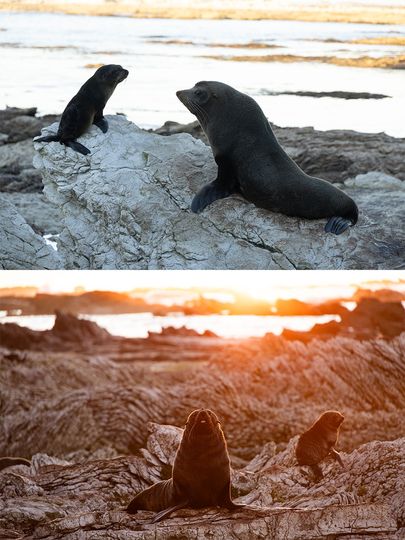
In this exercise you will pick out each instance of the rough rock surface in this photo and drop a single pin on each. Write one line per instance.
(127, 205)
(40, 214)
(20, 246)
(100, 425)
(17, 128)
(335, 155)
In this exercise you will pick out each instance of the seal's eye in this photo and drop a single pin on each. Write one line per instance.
(197, 93)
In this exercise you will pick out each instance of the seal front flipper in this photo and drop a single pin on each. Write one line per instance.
(335, 454)
(337, 225)
(77, 147)
(101, 123)
(164, 513)
(225, 499)
(208, 194)
(48, 138)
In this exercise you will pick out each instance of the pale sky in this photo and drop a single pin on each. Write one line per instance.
(260, 284)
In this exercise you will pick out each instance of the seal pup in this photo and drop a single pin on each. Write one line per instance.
(319, 441)
(201, 472)
(86, 108)
(11, 461)
(251, 161)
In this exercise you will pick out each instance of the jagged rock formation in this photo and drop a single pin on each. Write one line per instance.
(100, 425)
(20, 246)
(335, 155)
(127, 205)
(370, 318)
(60, 499)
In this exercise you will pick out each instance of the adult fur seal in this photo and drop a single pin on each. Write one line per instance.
(10, 461)
(86, 107)
(319, 440)
(251, 161)
(201, 471)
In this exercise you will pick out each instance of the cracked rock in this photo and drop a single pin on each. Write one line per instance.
(127, 206)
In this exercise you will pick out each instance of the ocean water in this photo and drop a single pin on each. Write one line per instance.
(43, 59)
(138, 324)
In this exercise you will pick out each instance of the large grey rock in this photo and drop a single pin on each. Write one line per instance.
(43, 216)
(127, 205)
(20, 246)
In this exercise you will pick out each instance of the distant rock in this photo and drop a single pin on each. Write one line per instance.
(336, 155)
(183, 331)
(17, 128)
(371, 318)
(337, 94)
(127, 205)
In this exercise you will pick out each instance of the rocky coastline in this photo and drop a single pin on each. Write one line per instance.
(50, 200)
(101, 421)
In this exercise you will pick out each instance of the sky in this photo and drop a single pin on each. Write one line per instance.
(259, 284)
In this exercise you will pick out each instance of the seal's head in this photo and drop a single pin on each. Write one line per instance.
(111, 74)
(202, 424)
(204, 99)
(331, 419)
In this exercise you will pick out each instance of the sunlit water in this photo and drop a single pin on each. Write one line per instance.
(138, 325)
(43, 58)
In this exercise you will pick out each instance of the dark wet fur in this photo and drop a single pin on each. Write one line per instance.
(319, 441)
(201, 472)
(251, 161)
(87, 108)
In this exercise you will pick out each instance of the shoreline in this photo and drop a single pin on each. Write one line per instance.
(374, 15)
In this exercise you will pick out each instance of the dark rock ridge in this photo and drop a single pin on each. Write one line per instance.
(71, 333)
(99, 431)
(337, 94)
(17, 129)
(334, 155)
(369, 319)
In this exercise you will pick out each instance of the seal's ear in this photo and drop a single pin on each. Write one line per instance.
(214, 95)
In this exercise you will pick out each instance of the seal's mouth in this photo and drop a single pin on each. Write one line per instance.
(201, 423)
(182, 96)
(122, 75)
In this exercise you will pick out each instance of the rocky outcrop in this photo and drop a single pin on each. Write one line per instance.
(20, 246)
(100, 426)
(70, 499)
(127, 205)
(370, 318)
(335, 155)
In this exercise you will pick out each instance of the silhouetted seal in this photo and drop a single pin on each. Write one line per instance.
(201, 472)
(86, 107)
(251, 161)
(319, 440)
(10, 461)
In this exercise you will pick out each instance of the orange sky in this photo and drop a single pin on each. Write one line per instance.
(259, 284)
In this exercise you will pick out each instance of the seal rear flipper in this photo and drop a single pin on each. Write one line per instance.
(164, 513)
(102, 124)
(317, 472)
(208, 194)
(337, 225)
(77, 147)
(47, 138)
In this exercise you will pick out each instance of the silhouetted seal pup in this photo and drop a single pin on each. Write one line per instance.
(86, 108)
(251, 161)
(319, 440)
(201, 472)
(10, 461)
